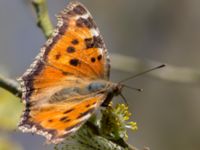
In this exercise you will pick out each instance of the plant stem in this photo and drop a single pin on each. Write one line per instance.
(10, 85)
(43, 19)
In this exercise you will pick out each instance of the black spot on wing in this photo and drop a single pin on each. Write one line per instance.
(65, 119)
(57, 56)
(71, 49)
(68, 111)
(99, 57)
(74, 62)
(89, 111)
(75, 42)
(93, 59)
(50, 120)
(88, 105)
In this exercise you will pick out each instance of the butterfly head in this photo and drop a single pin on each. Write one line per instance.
(116, 88)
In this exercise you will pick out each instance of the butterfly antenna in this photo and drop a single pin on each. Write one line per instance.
(124, 98)
(141, 73)
(133, 88)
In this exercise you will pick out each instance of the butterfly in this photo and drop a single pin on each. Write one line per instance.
(69, 79)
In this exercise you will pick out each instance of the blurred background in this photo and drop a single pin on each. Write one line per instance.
(165, 31)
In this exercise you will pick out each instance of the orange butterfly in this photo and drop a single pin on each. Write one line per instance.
(68, 80)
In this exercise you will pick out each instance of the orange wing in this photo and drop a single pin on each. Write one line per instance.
(74, 54)
(75, 49)
(56, 121)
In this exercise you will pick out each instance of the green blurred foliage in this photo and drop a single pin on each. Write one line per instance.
(10, 110)
(86, 139)
(115, 121)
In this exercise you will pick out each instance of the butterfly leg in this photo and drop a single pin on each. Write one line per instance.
(107, 100)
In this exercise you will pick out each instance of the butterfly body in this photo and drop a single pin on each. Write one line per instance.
(69, 79)
(109, 89)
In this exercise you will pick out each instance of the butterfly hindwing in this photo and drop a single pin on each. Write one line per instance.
(56, 121)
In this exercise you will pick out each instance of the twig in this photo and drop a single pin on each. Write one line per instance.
(10, 85)
(43, 20)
